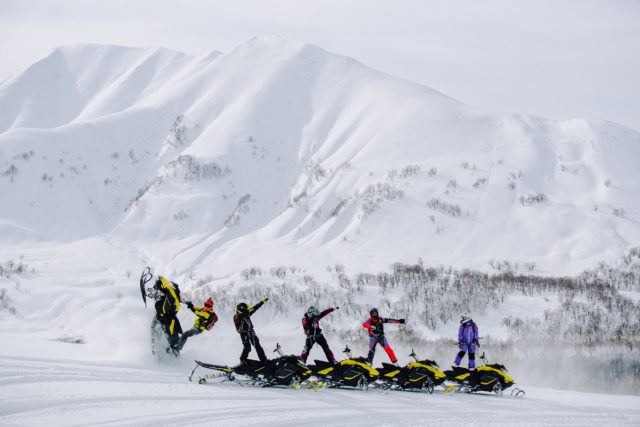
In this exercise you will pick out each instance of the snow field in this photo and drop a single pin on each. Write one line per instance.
(69, 393)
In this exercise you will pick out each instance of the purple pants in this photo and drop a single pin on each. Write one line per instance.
(471, 348)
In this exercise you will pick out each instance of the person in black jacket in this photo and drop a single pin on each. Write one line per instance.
(244, 326)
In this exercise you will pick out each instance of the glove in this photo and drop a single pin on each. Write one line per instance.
(478, 344)
(402, 321)
(266, 300)
(373, 328)
(337, 308)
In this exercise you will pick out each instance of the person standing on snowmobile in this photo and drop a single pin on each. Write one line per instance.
(467, 340)
(244, 326)
(375, 325)
(206, 318)
(311, 326)
(167, 307)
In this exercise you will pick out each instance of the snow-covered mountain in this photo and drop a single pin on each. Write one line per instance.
(281, 169)
(284, 151)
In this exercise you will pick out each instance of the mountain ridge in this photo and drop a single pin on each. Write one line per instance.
(282, 149)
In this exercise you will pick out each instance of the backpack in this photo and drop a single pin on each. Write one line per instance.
(211, 321)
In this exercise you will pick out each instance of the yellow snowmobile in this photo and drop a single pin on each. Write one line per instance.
(492, 378)
(422, 375)
(350, 372)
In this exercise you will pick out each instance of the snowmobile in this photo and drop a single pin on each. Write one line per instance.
(161, 338)
(492, 378)
(422, 375)
(350, 372)
(285, 370)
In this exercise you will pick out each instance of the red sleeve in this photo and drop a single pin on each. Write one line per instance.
(366, 325)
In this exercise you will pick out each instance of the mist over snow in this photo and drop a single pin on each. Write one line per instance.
(279, 169)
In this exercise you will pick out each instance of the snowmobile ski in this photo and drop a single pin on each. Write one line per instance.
(145, 277)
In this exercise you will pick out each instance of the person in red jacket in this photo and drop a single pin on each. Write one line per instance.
(375, 325)
(311, 326)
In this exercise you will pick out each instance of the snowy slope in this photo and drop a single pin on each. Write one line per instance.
(291, 153)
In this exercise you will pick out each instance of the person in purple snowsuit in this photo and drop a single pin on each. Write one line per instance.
(467, 340)
(311, 325)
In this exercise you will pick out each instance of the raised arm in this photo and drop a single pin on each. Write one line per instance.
(257, 306)
(327, 311)
(386, 320)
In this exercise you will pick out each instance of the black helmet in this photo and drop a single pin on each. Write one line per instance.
(373, 312)
(242, 308)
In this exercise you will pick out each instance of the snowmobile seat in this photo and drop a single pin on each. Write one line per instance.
(321, 364)
(429, 362)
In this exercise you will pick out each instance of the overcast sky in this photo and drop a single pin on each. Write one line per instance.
(557, 59)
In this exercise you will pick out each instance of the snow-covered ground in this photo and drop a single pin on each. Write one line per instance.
(39, 388)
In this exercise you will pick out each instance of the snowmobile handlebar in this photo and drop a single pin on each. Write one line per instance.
(145, 278)
(347, 351)
(278, 349)
(414, 355)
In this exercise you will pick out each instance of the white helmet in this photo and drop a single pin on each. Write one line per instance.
(313, 312)
(465, 317)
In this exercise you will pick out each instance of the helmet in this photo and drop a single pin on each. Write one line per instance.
(313, 311)
(242, 308)
(373, 312)
(465, 317)
(208, 303)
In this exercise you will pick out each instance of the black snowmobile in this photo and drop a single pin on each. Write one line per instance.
(165, 326)
(491, 378)
(285, 370)
(422, 375)
(350, 372)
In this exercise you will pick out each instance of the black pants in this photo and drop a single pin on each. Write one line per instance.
(172, 329)
(320, 339)
(250, 339)
(183, 339)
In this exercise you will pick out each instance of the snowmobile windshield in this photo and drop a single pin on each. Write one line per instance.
(499, 367)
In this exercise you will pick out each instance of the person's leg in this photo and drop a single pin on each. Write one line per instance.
(172, 334)
(387, 348)
(246, 342)
(259, 350)
(308, 343)
(327, 351)
(372, 348)
(463, 350)
(183, 339)
(472, 360)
